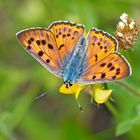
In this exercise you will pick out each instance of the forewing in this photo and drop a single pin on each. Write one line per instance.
(112, 67)
(100, 44)
(41, 44)
(66, 36)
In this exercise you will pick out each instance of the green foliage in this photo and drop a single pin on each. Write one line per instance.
(56, 116)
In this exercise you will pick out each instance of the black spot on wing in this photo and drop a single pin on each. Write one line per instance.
(101, 47)
(103, 64)
(114, 77)
(32, 39)
(50, 46)
(112, 68)
(118, 71)
(63, 35)
(96, 57)
(38, 42)
(103, 75)
(98, 43)
(109, 65)
(40, 53)
(28, 47)
(29, 42)
(68, 34)
(61, 46)
(43, 42)
(93, 77)
(48, 61)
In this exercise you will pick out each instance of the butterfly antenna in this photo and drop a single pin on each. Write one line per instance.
(40, 96)
(111, 100)
(79, 105)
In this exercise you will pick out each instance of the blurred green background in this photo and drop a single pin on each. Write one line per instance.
(57, 116)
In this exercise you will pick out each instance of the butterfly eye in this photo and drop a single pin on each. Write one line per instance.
(65, 82)
(70, 84)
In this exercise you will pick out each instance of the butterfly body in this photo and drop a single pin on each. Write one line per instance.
(63, 49)
(76, 62)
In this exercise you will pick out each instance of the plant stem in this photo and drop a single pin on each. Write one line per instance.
(113, 110)
(127, 87)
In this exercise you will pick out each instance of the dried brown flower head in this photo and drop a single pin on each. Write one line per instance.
(127, 32)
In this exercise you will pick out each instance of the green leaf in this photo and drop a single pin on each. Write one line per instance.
(127, 125)
(123, 127)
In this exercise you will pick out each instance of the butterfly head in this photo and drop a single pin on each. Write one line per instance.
(68, 83)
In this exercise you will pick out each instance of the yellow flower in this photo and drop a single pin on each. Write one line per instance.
(101, 95)
(97, 91)
(74, 89)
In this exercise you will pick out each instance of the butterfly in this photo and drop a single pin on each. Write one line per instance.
(65, 50)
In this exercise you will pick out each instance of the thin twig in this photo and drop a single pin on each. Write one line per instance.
(127, 87)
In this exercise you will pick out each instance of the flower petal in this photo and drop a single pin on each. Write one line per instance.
(101, 96)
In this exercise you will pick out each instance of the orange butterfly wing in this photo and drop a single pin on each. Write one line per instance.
(100, 45)
(66, 36)
(103, 62)
(41, 44)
